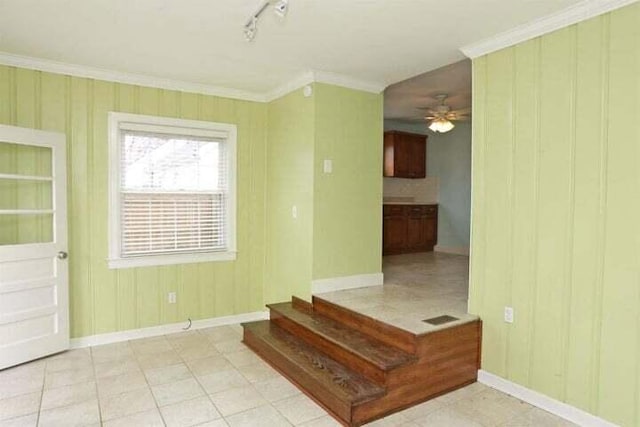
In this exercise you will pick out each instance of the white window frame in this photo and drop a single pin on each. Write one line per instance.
(225, 131)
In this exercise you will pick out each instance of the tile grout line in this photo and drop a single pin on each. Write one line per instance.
(44, 375)
(235, 368)
(118, 394)
(95, 379)
(144, 375)
(195, 377)
(268, 403)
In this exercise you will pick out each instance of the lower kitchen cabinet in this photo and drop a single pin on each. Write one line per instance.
(409, 228)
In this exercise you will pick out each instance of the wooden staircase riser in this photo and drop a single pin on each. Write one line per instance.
(433, 374)
(406, 397)
(351, 360)
(388, 334)
(302, 305)
(436, 343)
(425, 371)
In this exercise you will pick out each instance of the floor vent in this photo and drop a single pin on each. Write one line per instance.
(440, 320)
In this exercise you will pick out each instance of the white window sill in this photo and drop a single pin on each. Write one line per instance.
(151, 260)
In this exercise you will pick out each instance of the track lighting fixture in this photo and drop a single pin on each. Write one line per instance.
(280, 7)
(251, 28)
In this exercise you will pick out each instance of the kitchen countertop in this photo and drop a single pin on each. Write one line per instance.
(410, 203)
(403, 200)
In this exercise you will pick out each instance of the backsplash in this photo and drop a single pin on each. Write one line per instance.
(420, 190)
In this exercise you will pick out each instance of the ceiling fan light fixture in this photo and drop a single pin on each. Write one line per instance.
(441, 125)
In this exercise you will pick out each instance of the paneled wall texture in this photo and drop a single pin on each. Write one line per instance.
(556, 209)
(290, 183)
(104, 300)
(276, 165)
(347, 230)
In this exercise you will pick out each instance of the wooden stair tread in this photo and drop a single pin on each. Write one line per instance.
(347, 385)
(375, 352)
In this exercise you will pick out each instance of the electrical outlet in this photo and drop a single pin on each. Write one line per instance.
(508, 314)
(171, 297)
(294, 212)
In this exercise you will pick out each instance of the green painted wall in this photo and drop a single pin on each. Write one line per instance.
(289, 183)
(278, 256)
(449, 158)
(104, 300)
(556, 202)
(347, 226)
(338, 229)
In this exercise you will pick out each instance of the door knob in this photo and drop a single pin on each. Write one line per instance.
(62, 255)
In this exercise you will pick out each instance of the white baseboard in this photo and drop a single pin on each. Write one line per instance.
(346, 282)
(171, 328)
(568, 412)
(460, 250)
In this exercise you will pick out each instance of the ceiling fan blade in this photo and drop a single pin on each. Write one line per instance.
(458, 118)
(457, 114)
(463, 111)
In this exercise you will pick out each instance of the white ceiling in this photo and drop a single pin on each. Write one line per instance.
(201, 41)
(406, 100)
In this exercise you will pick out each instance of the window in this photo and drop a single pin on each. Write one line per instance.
(172, 191)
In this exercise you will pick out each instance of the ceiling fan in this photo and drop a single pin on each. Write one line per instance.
(442, 116)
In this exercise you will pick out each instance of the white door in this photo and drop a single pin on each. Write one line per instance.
(34, 294)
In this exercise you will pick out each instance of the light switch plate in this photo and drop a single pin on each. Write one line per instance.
(172, 298)
(508, 314)
(328, 166)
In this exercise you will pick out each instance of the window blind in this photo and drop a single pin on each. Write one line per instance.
(174, 193)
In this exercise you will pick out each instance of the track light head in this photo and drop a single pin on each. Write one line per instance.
(281, 7)
(250, 29)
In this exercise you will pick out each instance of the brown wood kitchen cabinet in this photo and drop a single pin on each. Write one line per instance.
(409, 228)
(405, 155)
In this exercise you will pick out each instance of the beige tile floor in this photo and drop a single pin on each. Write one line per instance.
(416, 287)
(209, 378)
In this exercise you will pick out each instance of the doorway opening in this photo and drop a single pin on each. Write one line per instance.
(426, 203)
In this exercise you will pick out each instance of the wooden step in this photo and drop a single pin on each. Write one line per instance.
(335, 387)
(357, 351)
(388, 334)
(330, 352)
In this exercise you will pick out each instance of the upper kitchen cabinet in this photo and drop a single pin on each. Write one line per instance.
(405, 155)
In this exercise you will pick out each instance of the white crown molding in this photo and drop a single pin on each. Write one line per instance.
(301, 80)
(282, 90)
(348, 82)
(309, 77)
(561, 409)
(127, 78)
(582, 11)
(346, 282)
(171, 328)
